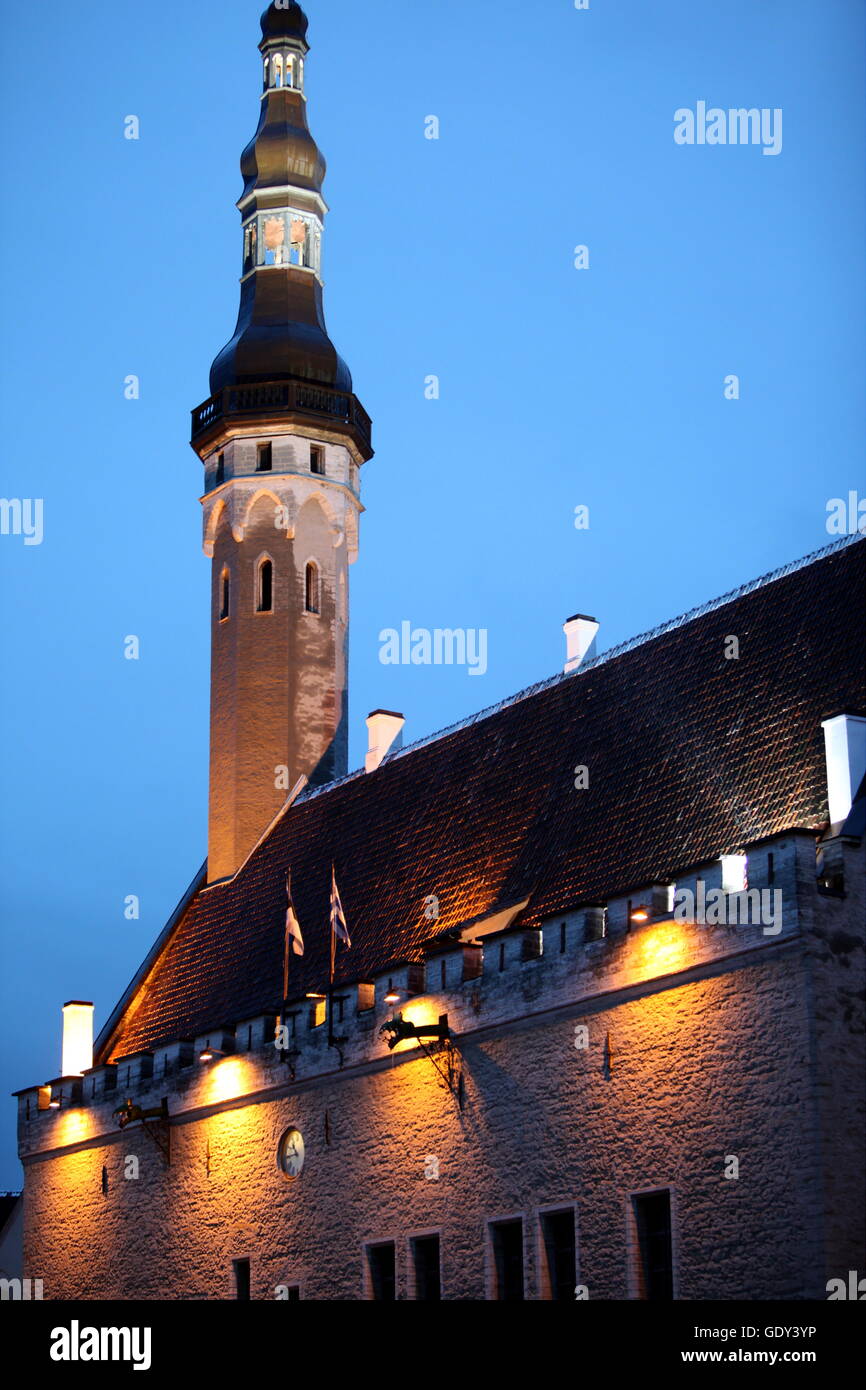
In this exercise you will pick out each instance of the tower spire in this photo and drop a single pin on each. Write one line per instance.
(282, 438)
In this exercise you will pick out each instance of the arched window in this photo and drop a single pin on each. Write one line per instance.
(267, 72)
(225, 594)
(265, 587)
(278, 70)
(311, 588)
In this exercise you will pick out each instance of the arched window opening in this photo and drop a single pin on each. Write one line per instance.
(311, 588)
(267, 72)
(290, 70)
(278, 70)
(265, 587)
(225, 595)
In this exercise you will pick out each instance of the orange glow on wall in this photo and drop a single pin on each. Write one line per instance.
(226, 1080)
(662, 948)
(73, 1126)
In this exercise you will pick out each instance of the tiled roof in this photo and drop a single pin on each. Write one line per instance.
(690, 756)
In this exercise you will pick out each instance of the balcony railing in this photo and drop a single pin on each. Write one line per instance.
(283, 397)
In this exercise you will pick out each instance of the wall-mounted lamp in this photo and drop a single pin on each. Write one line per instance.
(400, 1030)
(392, 995)
(209, 1054)
(640, 914)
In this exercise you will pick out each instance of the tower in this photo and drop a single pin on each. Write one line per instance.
(282, 439)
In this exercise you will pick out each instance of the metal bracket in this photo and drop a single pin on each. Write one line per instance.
(154, 1122)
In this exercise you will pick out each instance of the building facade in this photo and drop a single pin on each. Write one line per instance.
(598, 1032)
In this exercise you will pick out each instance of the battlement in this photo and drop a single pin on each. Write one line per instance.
(482, 980)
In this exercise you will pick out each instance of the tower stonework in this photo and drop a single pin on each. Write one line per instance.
(282, 439)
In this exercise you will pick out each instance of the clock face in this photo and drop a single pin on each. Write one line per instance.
(290, 1155)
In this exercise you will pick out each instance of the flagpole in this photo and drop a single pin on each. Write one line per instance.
(288, 946)
(333, 952)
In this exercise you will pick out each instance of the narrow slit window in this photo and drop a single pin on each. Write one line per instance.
(559, 1250)
(265, 587)
(311, 588)
(264, 458)
(220, 469)
(507, 1242)
(425, 1259)
(317, 458)
(652, 1212)
(225, 595)
(382, 1265)
(242, 1279)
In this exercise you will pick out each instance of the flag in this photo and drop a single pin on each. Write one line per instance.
(339, 930)
(294, 939)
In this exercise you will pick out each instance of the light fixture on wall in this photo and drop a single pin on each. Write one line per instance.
(392, 995)
(210, 1054)
(640, 914)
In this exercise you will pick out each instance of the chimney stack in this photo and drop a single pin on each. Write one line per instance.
(845, 752)
(77, 1038)
(384, 733)
(580, 634)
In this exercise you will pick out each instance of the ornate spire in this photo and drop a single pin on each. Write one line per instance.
(280, 337)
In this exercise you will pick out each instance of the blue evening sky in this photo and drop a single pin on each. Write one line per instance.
(559, 388)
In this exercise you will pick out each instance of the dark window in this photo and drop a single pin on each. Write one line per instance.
(294, 1294)
(225, 594)
(220, 469)
(507, 1239)
(105, 1181)
(317, 458)
(560, 1253)
(653, 1219)
(265, 597)
(771, 869)
(425, 1256)
(242, 1279)
(264, 458)
(562, 941)
(311, 589)
(502, 955)
(443, 974)
(382, 1261)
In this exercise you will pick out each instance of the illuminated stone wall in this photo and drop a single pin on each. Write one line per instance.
(704, 1045)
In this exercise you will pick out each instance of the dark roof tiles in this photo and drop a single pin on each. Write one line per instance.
(690, 756)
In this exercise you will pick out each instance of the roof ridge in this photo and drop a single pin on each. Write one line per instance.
(629, 644)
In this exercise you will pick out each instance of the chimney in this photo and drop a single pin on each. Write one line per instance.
(845, 752)
(384, 733)
(579, 636)
(77, 1038)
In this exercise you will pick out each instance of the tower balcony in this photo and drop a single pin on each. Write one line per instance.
(278, 402)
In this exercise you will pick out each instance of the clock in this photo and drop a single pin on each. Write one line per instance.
(290, 1154)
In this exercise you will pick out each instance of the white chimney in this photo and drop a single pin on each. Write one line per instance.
(77, 1038)
(384, 733)
(845, 752)
(579, 636)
